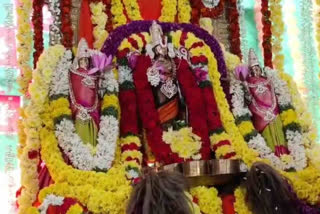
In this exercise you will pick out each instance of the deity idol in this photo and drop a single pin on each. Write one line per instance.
(84, 96)
(263, 105)
(162, 77)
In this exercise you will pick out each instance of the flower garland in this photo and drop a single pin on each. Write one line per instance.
(24, 47)
(267, 34)
(288, 117)
(218, 137)
(50, 200)
(184, 11)
(95, 199)
(212, 12)
(55, 27)
(183, 142)
(29, 158)
(117, 12)
(240, 205)
(75, 209)
(99, 18)
(37, 23)
(248, 155)
(168, 12)
(277, 29)
(234, 28)
(207, 199)
(70, 142)
(66, 28)
(130, 142)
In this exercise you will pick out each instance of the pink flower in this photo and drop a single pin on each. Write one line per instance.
(201, 75)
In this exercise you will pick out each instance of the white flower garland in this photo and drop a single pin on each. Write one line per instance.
(55, 32)
(50, 200)
(294, 138)
(69, 141)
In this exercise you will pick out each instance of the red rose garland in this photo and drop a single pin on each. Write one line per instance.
(199, 9)
(129, 118)
(37, 21)
(195, 103)
(234, 28)
(109, 26)
(267, 34)
(149, 115)
(66, 29)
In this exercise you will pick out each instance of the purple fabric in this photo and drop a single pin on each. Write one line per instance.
(115, 38)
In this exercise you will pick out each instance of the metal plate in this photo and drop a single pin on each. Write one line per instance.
(208, 172)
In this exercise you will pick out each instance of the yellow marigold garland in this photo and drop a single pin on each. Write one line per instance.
(169, 11)
(130, 139)
(277, 29)
(184, 11)
(32, 123)
(209, 201)
(133, 10)
(75, 209)
(99, 18)
(240, 205)
(117, 12)
(95, 199)
(24, 46)
(21, 133)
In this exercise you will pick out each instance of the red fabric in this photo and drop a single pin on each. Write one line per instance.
(85, 24)
(150, 9)
(228, 204)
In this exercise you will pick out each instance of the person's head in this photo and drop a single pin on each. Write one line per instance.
(84, 63)
(159, 193)
(268, 192)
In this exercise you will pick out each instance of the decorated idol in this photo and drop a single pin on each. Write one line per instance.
(260, 96)
(84, 96)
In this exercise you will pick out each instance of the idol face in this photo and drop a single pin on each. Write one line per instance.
(256, 71)
(84, 63)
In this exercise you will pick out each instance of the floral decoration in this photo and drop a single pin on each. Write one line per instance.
(277, 29)
(267, 34)
(117, 11)
(66, 28)
(184, 11)
(183, 142)
(79, 153)
(34, 112)
(207, 199)
(234, 27)
(288, 117)
(50, 200)
(99, 18)
(37, 22)
(55, 27)
(24, 47)
(240, 205)
(199, 9)
(75, 209)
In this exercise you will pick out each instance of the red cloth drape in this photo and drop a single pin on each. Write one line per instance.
(85, 24)
(150, 9)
